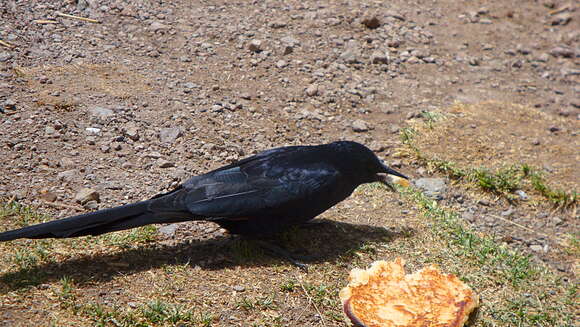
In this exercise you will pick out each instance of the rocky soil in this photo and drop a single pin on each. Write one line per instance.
(99, 114)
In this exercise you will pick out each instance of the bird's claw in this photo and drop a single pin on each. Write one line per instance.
(283, 253)
(302, 266)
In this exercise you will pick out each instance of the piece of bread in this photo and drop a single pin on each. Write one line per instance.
(399, 181)
(383, 296)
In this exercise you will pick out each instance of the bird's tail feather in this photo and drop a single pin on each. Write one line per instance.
(97, 222)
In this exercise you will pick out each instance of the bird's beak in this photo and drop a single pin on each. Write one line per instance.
(391, 177)
(393, 172)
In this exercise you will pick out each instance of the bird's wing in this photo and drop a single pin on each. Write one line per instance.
(255, 190)
(264, 156)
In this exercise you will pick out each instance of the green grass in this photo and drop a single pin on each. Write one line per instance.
(524, 311)
(24, 259)
(431, 117)
(516, 290)
(558, 197)
(534, 299)
(107, 316)
(573, 247)
(289, 286)
(153, 313)
(66, 289)
(24, 215)
(503, 181)
(158, 311)
(369, 248)
(29, 256)
(246, 304)
(507, 264)
(322, 294)
(267, 302)
(407, 136)
(129, 238)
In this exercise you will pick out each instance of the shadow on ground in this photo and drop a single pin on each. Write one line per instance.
(324, 241)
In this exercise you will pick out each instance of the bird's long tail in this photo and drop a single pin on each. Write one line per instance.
(98, 222)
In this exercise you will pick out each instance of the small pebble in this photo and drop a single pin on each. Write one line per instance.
(523, 196)
(255, 46)
(239, 288)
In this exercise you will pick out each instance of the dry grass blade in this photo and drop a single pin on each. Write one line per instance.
(559, 10)
(78, 18)
(44, 21)
(310, 301)
(6, 44)
(524, 227)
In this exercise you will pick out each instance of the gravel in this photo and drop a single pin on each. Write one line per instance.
(168, 231)
(150, 89)
(433, 187)
(87, 194)
(169, 135)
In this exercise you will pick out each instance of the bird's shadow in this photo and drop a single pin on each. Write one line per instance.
(325, 241)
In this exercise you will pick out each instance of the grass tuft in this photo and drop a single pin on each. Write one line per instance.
(129, 238)
(13, 213)
(431, 117)
(158, 311)
(408, 135)
(262, 303)
(558, 197)
(289, 286)
(503, 181)
(514, 267)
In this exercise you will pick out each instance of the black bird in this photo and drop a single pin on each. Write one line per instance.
(255, 196)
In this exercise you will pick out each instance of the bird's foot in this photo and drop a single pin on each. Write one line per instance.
(279, 251)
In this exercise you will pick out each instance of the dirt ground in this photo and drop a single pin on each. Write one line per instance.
(468, 137)
(157, 91)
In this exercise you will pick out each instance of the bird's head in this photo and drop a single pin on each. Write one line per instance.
(365, 165)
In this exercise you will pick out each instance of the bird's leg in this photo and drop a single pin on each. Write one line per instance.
(279, 251)
(313, 223)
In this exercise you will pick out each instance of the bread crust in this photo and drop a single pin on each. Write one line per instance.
(384, 296)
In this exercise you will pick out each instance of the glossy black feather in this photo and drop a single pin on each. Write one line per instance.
(261, 194)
